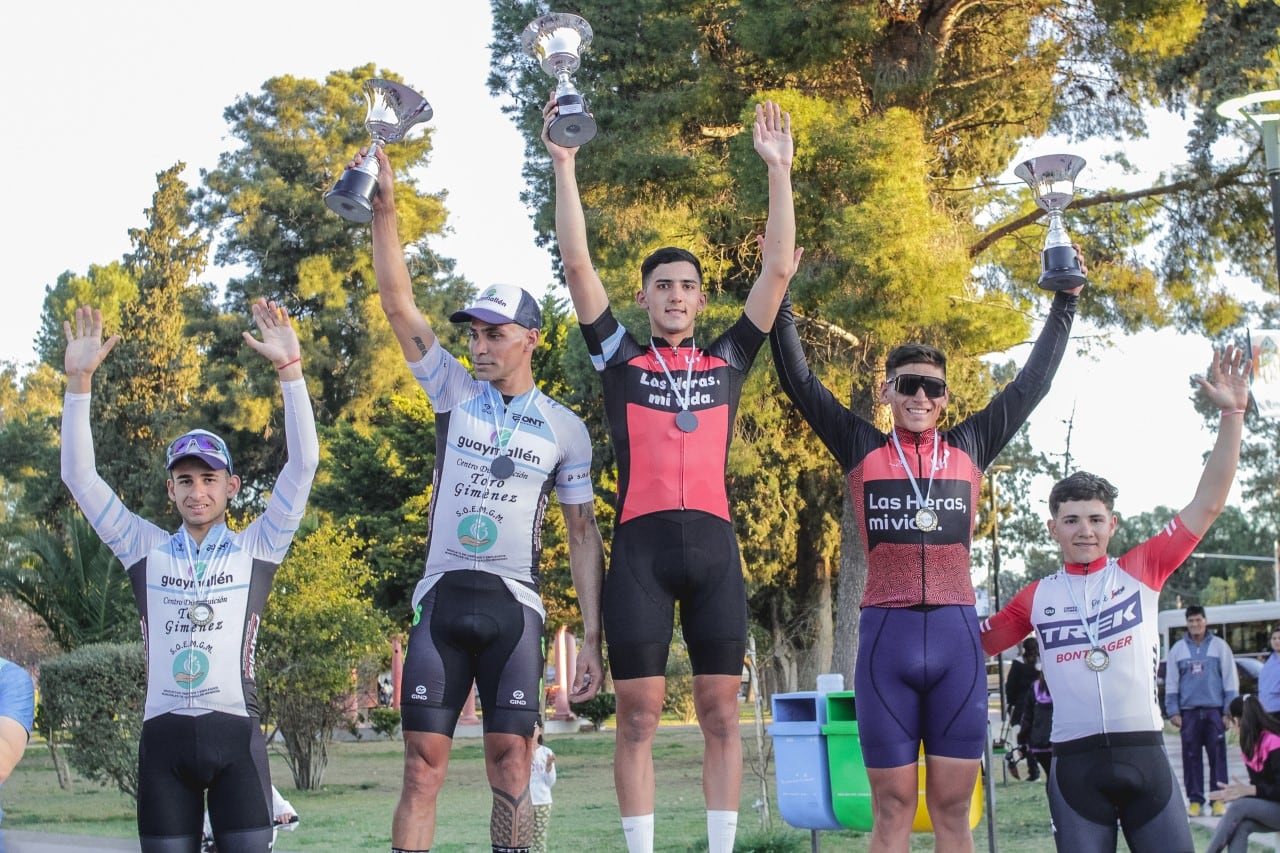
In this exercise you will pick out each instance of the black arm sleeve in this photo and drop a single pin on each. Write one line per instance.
(985, 434)
(834, 424)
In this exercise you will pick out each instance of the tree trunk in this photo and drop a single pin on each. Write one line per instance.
(852, 581)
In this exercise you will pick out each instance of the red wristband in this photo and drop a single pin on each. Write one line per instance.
(1226, 412)
(287, 363)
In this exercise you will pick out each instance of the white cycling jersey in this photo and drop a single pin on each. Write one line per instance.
(1120, 600)
(485, 520)
(197, 668)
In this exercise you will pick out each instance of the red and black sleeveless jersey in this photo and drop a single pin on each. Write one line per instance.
(907, 566)
(661, 467)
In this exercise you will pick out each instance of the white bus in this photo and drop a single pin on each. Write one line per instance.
(1245, 625)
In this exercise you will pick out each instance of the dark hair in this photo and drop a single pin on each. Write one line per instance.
(1030, 647)
(667, 255)
(915, 354)
(1082, 486)
(1195, 610)
(537, 722)
(1254, 720)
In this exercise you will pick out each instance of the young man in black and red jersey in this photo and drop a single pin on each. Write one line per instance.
(1095, 621)
(671, 404)
(919, 676)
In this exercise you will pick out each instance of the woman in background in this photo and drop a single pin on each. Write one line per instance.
(1254, 807)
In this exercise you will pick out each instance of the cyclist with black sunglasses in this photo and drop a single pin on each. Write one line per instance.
(200, 595)
(919, 676)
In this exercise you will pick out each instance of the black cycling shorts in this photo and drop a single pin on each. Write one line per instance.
(180, 757)
(668, 557)
(1097, 781)
(469, 627)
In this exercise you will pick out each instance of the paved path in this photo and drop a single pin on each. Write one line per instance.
(13, 841)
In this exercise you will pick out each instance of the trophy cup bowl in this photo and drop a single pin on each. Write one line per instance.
(557, 40)
(1052, 179)
(393, 109)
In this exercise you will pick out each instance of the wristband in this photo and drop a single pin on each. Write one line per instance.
(288, 363)
(1226, 412)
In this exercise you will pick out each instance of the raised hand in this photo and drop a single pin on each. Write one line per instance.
(550, 112)
(1227, 383)
(772, 135)
(279, 343)
(85, 349)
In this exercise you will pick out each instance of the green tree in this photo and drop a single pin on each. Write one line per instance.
(904, 115)
(73, 583)
(318, 631)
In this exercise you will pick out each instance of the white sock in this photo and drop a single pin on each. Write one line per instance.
(638, 831)
(722, 826)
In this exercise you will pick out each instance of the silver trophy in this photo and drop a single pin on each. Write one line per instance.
(1052, 179)
(393, 108)
(556, 40)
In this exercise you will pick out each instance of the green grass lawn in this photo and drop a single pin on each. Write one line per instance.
(352, 812)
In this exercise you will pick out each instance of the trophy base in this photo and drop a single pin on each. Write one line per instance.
(572, 129)
(352, 196)
(1061, 269)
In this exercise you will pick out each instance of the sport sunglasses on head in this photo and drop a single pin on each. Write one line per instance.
(910, 383)
(203, 444)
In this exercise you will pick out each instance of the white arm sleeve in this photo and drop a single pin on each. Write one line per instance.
(272, 532)
(129, 536)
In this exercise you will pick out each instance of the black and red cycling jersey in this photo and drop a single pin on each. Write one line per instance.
(907, 566)
(661, 467)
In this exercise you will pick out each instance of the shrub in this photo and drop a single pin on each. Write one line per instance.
(597, 709)
(97, 694)
(385, 721)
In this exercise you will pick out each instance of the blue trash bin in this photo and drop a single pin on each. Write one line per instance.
(800, 759)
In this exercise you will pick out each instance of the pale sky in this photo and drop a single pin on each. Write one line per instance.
(105, 96)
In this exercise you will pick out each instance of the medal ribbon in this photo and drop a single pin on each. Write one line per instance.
(200, 586)
(499, 419)
(688, 374)
(1091, 632)
(933, 467)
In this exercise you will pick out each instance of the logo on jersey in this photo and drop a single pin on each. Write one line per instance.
(190, 669)
(1116, 619)
(477, 533)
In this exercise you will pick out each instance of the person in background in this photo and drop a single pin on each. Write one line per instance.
(17, 711)
(1037, 722)
(1269, 679)
(1254, 807)
(1017, 689)
(542, 775)
(1201, 682)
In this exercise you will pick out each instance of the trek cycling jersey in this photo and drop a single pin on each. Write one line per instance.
(482, 517)
(1119, 600)
(907, 566)
(197, 666)
(660, 466)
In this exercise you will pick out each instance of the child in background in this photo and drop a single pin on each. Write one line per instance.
(542, 776)
(1253, 807)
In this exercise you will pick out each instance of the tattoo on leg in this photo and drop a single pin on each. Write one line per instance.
(511, 822)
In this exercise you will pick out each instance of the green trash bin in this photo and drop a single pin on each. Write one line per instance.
(850, 787)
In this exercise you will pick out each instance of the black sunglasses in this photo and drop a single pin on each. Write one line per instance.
(909, 384)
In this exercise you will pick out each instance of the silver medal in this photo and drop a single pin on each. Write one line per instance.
(1097, 659)
(502, 467)
(686, 420)
(200, 613)
(926, 520)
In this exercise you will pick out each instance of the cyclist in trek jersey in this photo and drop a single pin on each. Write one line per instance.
(501, 447)
(919, 675)
(671, 403)
(200, 595)
(1095, 620)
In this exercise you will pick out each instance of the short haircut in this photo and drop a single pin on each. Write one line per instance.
(1082, 486)
(667, 255)
(1195, 610)
(914, 354)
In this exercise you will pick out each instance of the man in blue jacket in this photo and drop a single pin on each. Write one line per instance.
(1201, 682)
